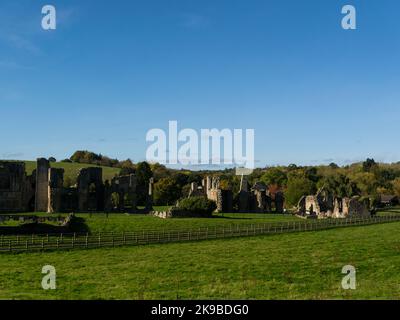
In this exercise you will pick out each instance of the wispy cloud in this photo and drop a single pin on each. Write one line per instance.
(12, 156)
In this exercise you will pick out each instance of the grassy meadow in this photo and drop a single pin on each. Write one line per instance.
(287, 266)
(71, 170)
(137, 222)
(119, 222)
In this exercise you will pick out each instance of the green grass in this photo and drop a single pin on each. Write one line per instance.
(72, 169)
(136, 222)
(288, 266)
(122, 222)
(99, 222)
(389, 211)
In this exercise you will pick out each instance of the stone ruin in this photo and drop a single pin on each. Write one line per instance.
(257, 199)
(325, 205)
(223, 198)
(44, 190)
(210, 188)
(17, 190)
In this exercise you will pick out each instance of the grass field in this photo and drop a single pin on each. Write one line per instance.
(288, 266)
(122, 222)
(100, 222)
(71, 170)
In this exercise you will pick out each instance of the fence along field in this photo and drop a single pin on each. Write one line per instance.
(70, 241)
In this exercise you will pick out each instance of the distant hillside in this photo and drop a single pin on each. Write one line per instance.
(71, 169)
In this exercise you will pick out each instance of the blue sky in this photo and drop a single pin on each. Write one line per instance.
(313, 92)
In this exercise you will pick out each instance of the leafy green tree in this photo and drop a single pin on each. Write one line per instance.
(166, 192)
(274, 176)
(396, 186)
(366, 182)
(333, 165)
(127, 167)
(198, 205)
(160, 171)
(369, 164)
(298, 187)
(311, 173)
(143, 175)
(339, 185)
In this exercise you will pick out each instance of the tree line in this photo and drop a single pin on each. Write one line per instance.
(366, 179)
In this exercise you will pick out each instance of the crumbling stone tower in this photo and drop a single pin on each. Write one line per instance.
(15, 191)
(244, 195)
(90, 190)
(222, 198)
(42, 183)
(55, 190)
(125, 188)
(260, 197)
(149, 199)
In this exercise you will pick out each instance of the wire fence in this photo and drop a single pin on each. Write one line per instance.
(44, 242)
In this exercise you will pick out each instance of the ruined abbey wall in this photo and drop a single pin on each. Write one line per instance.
(44, 190)
(325, 205)
(42, 182)
(14, 187)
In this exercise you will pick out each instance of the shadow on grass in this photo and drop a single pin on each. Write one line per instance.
(242, 216)
(77, 225)
(232, 218)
